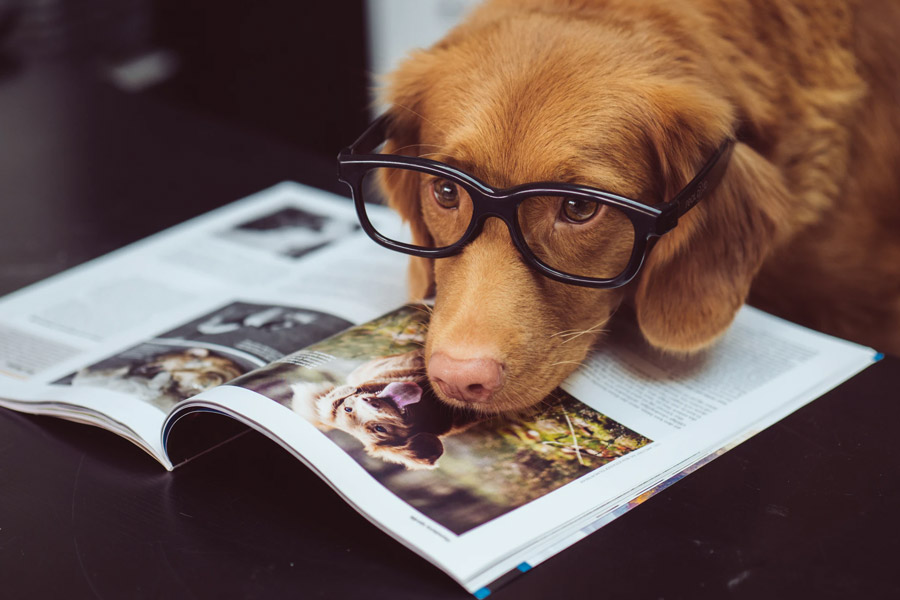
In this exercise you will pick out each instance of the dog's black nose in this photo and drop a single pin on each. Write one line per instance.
(472, 380)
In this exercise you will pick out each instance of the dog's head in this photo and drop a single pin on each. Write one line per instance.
(516, 96)
(380, 416)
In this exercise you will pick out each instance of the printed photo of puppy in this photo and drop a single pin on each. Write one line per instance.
(388, 405)
(366, 390)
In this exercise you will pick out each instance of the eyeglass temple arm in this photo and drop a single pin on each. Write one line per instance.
(706, 180)
(372, 137)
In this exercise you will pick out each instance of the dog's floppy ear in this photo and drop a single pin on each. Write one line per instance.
(699, 274)
(405, 92)
(421, 451)
(424, 449)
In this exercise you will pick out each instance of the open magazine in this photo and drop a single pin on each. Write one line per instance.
(278, 312)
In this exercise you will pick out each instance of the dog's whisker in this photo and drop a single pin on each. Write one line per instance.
(568, 362)
(565, 332)
(578, 331)
(423, 117)
(572, 335)
(573, 332)
(423, 308)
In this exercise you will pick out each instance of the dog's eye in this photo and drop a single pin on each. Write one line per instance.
(575, 210)
(445, 193)
(348, 409)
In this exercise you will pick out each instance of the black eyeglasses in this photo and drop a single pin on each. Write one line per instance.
(570, 233)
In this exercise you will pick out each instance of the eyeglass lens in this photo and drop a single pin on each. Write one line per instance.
(576, 236)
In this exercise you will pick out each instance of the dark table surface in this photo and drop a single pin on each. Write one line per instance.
(807, 508)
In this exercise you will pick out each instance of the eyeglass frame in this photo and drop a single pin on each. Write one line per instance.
(650, 221)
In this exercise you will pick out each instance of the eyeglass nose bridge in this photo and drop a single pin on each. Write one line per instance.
(499, 206)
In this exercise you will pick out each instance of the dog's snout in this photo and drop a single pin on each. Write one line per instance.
(471, 380)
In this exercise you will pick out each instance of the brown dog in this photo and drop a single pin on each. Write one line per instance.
(389, 407)
(632, 97)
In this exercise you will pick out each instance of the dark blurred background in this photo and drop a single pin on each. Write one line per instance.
(120, 118)
(296, 71)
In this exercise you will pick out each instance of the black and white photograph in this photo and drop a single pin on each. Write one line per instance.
(206, 352)
(266, 331)
(290, 232)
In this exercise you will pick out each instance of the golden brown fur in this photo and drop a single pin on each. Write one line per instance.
(632, 97)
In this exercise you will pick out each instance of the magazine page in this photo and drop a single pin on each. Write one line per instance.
(117, 342)
(483, 496)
